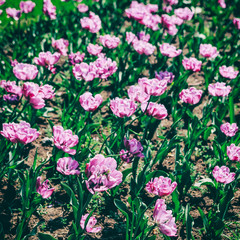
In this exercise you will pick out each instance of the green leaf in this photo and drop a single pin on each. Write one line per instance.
(122, 207)
(204, 219)
(189, 222)
(73, 199)
(43, 236)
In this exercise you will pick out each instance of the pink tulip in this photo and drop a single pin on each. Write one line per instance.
(123, 107)
(90, 103)
(233, 152)
(191, 95)
(49, 9)
(94, 49)
(92, 23)
(64, 139)
(136, 93)
(184, 13)
(208, 51)
(164, 218)
(229, 129)
(236, 22)
(90, 225)
(222, 3)
(192, 64)
(19, 132)
(24, 71)
(13, 13)
(219, 89)
(68, 166)
(169, 50)
(143, 47)
(228, 72)
(82, 8)
(11, 87)
(109, 41)
(27, 6)
(43, 189)
(61, 45)
(153, 87)
(155, 110)
(143, 36)
(84, 71)
(161, 186)
(102, 174)
(130, 37)
(75, 58)
(223, 175)
(2, 2)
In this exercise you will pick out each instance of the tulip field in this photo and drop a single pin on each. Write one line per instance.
(119, 119)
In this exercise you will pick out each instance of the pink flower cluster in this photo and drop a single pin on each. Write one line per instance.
(94, 49)
(184, 13)
(153, 87)
(75, 58)
(161, 186)
(102, 68)
(102, 174)
(123, 107)
(27, 6)
(164, 219)
(90, 103)
(61, 45)
(92, 23)
(191, 95)
(90, 225)
(49, 9)
(219, 89)
(155, 110)
(13, 13)
(229, 129)
(170, 23)
(19, 132)
(137, 93)
(223, 175)
(67, 166)
(24, 71)
(169, 50)
(47, 59)
(15, 92)
(228, 72)
(143, 14)
(208, 51)
(140, 43)
(37, 94)
(43, 189)
(109, 41)
(192, 64)
(233, 152)
(64, 139)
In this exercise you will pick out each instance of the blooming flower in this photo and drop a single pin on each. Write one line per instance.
(223, 175)
(92, 23)
(123, 107)
(143, 47)
(233, 152)
(236, 22)
(61, 45)
(90, 225)
(82, 8)
(19, 132)
(161, 186)
(167, 76)
(75, 58)
(191, 95)
(208, 51)
(43, 189)
(133, 149)
(155, 110)
(49, 9)
(109, 41)
(222, 3)
(68, 166)
(228, 72)
(2, 2)
(130, 37)
(169, 50)
(219, 89)
(143, 36)
(164, 218)
(47, 59)
(13, 13)
(94, 49)
(102, 174)
(229, 129)
(184, 13)
(192, 64)
(14, 90)
(90, 103)
(171, 2)
(64, 139)
(24, 71)
(27, 6)
(84, 71)
(153, 87)
(136, 93)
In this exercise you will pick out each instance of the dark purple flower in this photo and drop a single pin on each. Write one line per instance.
(165, 76)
